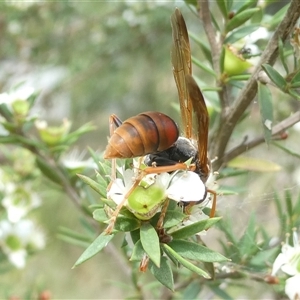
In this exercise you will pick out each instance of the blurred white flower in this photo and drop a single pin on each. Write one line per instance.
(288, 261)
(292, 287)
(17, 239)
(18, 201)
(21, 93)
(74, 161)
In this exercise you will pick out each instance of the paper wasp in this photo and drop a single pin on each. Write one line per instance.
(155, 136)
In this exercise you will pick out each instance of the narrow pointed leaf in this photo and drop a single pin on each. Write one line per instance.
(137, 252)
(93, 184)
(126, 224)
(248, 240)
(282, 56)
(247, 4)
(287, 150)
(185, 262)
(222, 4)
(195, 228)
(195, 251)
(241, 32)
(274, 76)
(241, 18)
(150, 242)
(202, 66)
(277, 17)
(99, 243)
(205, 49)
(100, 215)
(296, 79)
(163, 274)
(294, 94)
(48, 170)
(254, 164)
(266, 110)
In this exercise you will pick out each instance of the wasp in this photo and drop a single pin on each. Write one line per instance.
(155, 136)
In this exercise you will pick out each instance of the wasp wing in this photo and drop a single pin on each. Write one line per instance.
(202, 117)
(182, 66)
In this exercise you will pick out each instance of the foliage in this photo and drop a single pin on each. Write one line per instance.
(159, 237)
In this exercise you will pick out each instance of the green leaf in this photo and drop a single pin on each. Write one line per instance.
(261, 257)
(247, 4)
(202, 66)
(191, 2)
(163, 274)
(184, 262)
(100, 215)
(48, 170)
(242, 77)
(240, 18)
(137, 252)
(294, 94)
(277, 17)
(287, 150)
(150, 242)
(222, 4)
(248, 240)
(192, 291)
(8, 139)
(99, 243)
(195, 251)
(76, 134)
(5, 112)
(195, 228)
(282, 56)
(241, 32)
(266, 110)
(93, 184)
(275, 76)
(289, 204)
(205, 49)
(221, 293)
(296, 79)
(254, 164)
(171, 219)
(125, 224)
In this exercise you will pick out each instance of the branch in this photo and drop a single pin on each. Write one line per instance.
(204, 14)
(280, 127)
(218, 145)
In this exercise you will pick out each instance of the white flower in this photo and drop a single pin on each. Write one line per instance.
(288, 261)
(21, 93)
(289, 258)
(74, 161)
(17, 238)
(292, 287)
(181, 186)
(18, 201)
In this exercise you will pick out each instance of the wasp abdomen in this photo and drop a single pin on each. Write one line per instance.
(145, 133)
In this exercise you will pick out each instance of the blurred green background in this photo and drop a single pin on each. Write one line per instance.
(89, 60)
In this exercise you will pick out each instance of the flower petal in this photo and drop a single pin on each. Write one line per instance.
(186, 186)
(117, 191)
(292, 287)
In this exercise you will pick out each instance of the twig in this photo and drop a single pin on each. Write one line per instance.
(204, 14)
(221, 138)
(278, 128)
(215, 46)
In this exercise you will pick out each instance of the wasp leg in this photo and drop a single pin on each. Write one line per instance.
(116, 212)
(214, 203)
(171, 168)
